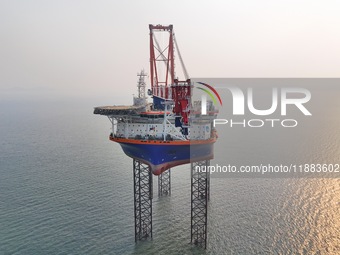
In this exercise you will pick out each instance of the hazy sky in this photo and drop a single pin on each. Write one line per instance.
(96, 48)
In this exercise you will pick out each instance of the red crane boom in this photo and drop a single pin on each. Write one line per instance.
(164, 86)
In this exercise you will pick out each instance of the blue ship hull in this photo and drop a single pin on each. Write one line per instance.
(162, 155)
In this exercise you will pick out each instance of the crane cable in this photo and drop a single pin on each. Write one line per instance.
(186, 75)
(161, 52)
(181, 60)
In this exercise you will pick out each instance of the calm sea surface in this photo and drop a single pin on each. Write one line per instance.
(66, 189)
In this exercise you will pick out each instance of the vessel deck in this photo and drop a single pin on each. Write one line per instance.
(118, 110)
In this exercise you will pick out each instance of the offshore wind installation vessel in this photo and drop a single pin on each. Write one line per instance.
(168, 132)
